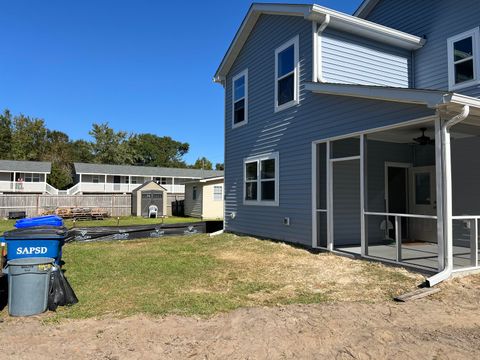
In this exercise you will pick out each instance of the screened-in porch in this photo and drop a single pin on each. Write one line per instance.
(380, 194)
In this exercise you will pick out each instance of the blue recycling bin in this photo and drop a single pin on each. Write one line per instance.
(46, 220)
(37, 241)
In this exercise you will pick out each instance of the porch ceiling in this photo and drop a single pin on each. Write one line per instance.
(406, 134)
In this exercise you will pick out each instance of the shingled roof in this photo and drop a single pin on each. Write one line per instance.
(104, 169)
(25, 166)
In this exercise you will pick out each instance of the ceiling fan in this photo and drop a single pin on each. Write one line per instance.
(424, 140)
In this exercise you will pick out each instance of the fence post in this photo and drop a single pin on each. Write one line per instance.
(37, 204)
(113, 203)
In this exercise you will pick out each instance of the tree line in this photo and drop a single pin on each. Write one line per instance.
(27, 138)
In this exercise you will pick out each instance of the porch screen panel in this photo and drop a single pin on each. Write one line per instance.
(322, 176)
(321, 201)
(345, 148)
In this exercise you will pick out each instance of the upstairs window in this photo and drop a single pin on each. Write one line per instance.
(286, 75)
(261, 180)
(463, 60)
(240, 99)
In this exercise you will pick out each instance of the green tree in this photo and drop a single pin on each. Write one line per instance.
(5, 135)
(58, 152)
(153, 150)
(29, 138)
(81, 151)
(203, 163)
(110, 146)
(219, 166)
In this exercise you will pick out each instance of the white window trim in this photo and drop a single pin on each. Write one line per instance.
(296, 87)
(221, 192)
(236, 77)
(258, 159)
(475, 35)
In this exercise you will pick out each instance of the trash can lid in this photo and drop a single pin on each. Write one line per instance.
(31, 261)
(37, 233)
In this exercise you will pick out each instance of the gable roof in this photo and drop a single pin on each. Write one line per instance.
(105, 169)
(148, 183)
(26, 166)
(365, 8)
(313, 12)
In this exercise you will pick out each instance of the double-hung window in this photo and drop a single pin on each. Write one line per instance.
(261, 180)
(463, 59)
(217, 193)
(240, 99)
(286, 75)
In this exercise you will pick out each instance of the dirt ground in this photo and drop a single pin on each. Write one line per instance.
(443, 326)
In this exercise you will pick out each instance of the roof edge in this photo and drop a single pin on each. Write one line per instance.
(365, 8)
(313, 12)
(430, 98)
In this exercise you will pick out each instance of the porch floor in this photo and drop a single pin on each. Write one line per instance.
(420, 254)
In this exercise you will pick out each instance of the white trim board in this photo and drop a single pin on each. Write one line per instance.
(295, 42)
(244, 74)
(475, 35)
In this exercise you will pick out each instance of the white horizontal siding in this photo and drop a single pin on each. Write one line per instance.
(353, 60)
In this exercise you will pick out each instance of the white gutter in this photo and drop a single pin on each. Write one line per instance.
(320, 30)
(447, 193)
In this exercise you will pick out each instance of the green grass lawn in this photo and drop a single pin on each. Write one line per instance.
(124, 220)
(202, 275)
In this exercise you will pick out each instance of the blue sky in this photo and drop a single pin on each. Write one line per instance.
(141, 65)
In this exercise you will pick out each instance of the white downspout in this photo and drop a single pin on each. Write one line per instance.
(317, 51)
(447, 193)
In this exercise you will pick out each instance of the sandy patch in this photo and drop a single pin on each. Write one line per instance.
(445, 326)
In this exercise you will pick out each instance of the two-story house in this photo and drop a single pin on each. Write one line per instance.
(357, 134)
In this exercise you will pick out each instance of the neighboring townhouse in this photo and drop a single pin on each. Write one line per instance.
(102, 178)
(204, 198)
(357, 134)
(24, 177)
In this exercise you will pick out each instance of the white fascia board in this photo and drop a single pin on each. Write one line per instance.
(211, 179)
(430, 98)
(370, 29)
(247, 26)
(464, 100)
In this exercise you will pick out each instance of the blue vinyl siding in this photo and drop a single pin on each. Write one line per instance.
(437, 21)
(290, 132)
(352, 60)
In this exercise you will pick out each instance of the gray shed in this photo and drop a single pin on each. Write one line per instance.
(146, 195)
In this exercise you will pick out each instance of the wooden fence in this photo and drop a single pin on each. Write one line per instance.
(116, 205)
(33, 204)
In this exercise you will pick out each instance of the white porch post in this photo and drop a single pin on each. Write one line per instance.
(105, 183)
(439, 188)
(14, 181)
(329, 199)
(173, 185)
(363, 193)
(129, 183)
(314, 196)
